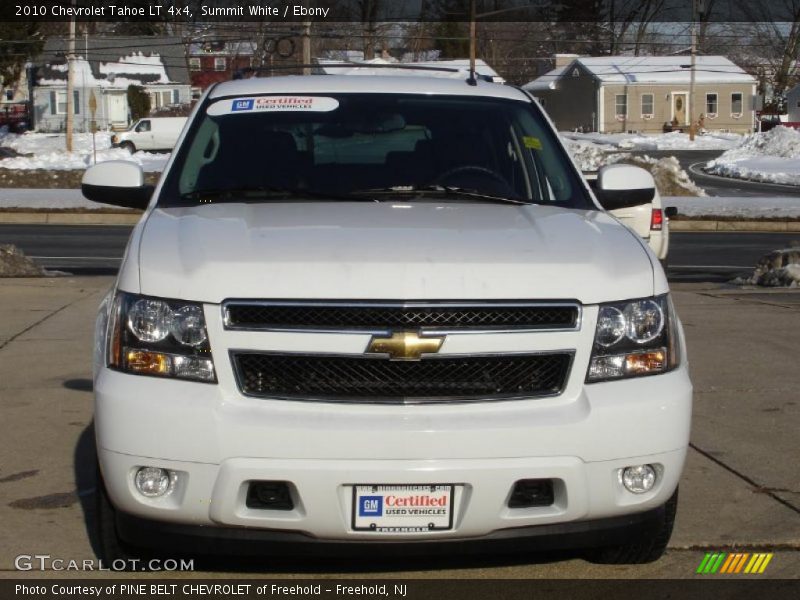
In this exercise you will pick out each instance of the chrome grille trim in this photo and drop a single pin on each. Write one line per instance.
(571, 305)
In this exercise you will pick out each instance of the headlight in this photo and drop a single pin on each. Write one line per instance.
(160, 337)
(634, 338)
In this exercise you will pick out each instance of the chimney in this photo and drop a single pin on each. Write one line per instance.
(562, 60)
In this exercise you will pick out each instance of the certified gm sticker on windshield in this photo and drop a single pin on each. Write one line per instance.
(273, 104)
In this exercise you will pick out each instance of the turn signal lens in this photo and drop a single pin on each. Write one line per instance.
(144, 361)
(645, 362)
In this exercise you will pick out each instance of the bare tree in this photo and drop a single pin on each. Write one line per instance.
(777, 25)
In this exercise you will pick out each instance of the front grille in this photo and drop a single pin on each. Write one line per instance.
(386, 316)
(362, 378)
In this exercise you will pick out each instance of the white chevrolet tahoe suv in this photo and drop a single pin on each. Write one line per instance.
(384, 313)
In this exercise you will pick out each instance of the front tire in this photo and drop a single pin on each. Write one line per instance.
(111, 548)
(641, 551)
(128, 146)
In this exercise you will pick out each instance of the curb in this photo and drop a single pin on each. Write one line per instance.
(68, 218)
(700, 225)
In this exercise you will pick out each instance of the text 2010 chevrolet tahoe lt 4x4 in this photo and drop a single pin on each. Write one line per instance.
(385, 310)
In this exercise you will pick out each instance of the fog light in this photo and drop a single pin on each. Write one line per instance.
(154, 482)
(639, 479)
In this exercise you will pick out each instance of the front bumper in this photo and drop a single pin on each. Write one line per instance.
(241, 541)
(214, 496)
(218, 441)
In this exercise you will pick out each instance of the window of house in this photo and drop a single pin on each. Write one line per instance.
(194, 64)
(712, 103)
(58, 102)
(176, 97)
(736, 104)
(621, 104)
(219, 64)
(647, 106)
(9, 94)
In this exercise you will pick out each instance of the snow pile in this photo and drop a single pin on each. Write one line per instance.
(770, 157)
(660, 141)
(780, 268)
(48, 152)
(670, 177)
(589, 156)
(14, 263)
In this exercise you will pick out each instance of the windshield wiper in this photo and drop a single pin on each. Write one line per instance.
(406, 190)
(270, 192)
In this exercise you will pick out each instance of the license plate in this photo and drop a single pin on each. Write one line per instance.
(402, 508)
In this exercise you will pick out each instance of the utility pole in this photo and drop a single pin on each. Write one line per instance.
(472, 42)
(70, 81)
(306, 44)
(690, 103)
(306, 47)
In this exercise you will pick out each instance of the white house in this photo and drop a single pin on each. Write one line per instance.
(793, 104)
(646, 94)
(104, 69)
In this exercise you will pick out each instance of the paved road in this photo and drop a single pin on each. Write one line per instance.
(739, 491)
(692, 162)
(96, 250)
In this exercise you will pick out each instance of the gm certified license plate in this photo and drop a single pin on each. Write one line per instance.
(402, 508)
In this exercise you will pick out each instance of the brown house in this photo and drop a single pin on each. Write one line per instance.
(646, 94)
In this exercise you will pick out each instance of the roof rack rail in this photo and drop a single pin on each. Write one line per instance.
(240, 73)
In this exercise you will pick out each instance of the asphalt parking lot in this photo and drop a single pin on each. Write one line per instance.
(740, 491)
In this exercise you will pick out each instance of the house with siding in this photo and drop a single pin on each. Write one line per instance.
(212, 62)
(103, 70)
(646, 94)
(793, 104)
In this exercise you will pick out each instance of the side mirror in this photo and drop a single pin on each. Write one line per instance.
(671, 211)
(117, 182)
(624, 186)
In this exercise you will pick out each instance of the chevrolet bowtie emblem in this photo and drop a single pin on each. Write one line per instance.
(404, 345)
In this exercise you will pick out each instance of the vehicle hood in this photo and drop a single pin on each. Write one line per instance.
(390, 251)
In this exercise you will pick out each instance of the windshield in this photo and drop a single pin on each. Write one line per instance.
(370, 145)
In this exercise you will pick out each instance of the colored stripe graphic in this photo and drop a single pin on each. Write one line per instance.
(728, 563)
(764, 564)
(740, 564)
(703, 563)
(754, 563)
(721, 562)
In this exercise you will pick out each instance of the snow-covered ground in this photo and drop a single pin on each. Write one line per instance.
(42, 199)
(658, 141)
(48, 152)
(772, 157)
(744, 207)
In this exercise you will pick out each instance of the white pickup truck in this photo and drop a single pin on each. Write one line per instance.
(384, 312)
